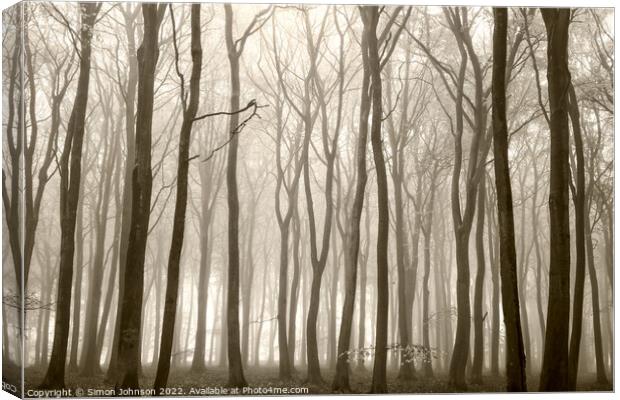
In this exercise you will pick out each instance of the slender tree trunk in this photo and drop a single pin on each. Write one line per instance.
(260, 321)
(333, 303)
(70, 171)
(515, 354)
(370, 18)
(539, 263)
(159, 261)
(284, 356)
(218, 300)
(554, 374)
(318, 260)
(292, 320)
(77, 284)
(246, 285)
(223, 338)
(462, 223)
(361, 333)
(523, 271)
(178, 226)
(601, 375)
(235, 368)
(90, 355)
(427, 231)
(341, 379)
(478, 360)
(494, 264)
(580, 251)
(210, 184)
(107, 306)
(130, 16)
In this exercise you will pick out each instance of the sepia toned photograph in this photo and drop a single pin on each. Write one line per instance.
(215, 199)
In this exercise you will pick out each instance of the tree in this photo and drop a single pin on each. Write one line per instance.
(341, 378)
(90, 354)
(398, 142)
(554, 373)
(129, 16)
(478, 353)
(290, 184)
(70, 174)
(370, 19)
(578, 191)
(235, 49)
(142, 182)
(462, 220)
(211, 178)
(178, 228)
(427, 230)
(515, 356)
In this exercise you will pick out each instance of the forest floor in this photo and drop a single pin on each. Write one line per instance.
(186, 383)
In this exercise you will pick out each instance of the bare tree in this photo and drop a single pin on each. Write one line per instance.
(129, 94)
(178, 228)
(70, 174)
(370, 18)
(235, 49)
(142, 182)
(341, 379)
(554, 373)
(515, 356)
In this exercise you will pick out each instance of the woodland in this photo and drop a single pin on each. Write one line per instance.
(349, 199)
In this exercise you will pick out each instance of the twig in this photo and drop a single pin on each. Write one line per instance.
(238, 128)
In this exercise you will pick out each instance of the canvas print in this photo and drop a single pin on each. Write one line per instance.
(294, 199)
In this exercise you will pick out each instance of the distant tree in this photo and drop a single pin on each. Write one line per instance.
(90, 355)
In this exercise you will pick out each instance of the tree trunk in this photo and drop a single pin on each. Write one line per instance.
(539, 263)
(478, 360)
(129, 360)
(90, 355)
(427, 231)
(601, 375)
(210, 184)
(235, 367)
(515, 355)
(292, 319)
(580, 251)
(130, 16)
(495, 300)
(284, 357)
(248, 275)
(370, 18)
(107, 306)
(554, 374)
(318, 260)
(178, 226)
(77, 284)
(341, 378)
(462, 224)
(361, 333)
(70, 171)
(331, 354)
